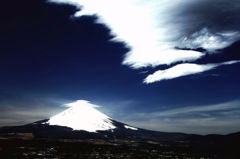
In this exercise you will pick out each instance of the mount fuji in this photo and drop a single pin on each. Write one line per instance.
(82, 115)
(83, 121)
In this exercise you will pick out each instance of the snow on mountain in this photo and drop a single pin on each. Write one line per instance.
(130, 127)
(82, 115)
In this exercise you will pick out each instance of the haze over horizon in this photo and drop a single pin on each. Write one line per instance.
(171, 67)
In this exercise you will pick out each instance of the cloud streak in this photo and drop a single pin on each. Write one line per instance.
(158, 31)
(219, 118)
(24, 110)
(198, 109)
(183, 70)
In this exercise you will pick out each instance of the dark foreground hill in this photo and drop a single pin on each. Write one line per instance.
(42, 130)
(41, 140)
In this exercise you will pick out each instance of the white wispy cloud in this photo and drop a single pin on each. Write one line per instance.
(204, 119)
(183, 70)
(198, 109)
(210, 41)
(154, 29)
(80, 103)
(22, 110)
(202, 126)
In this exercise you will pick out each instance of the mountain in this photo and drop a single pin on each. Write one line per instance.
(82, 121)
(82, 116)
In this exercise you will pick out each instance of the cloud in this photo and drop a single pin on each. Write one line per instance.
(82, 103)
(27, 109)
(158, 32)
(210, 41)
(183, 70)
(198, 109)
(202, 126)
(204, 119)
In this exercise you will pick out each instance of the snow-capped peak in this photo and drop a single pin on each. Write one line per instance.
(82, 115)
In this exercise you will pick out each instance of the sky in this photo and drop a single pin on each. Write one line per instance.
(171, 67)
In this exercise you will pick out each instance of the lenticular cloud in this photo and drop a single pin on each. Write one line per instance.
(183, 70)
(165, 32)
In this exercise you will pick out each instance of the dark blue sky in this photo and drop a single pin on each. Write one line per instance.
(49, 58)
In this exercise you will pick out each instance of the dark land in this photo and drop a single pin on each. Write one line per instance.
(42, 141)
(16, 148)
